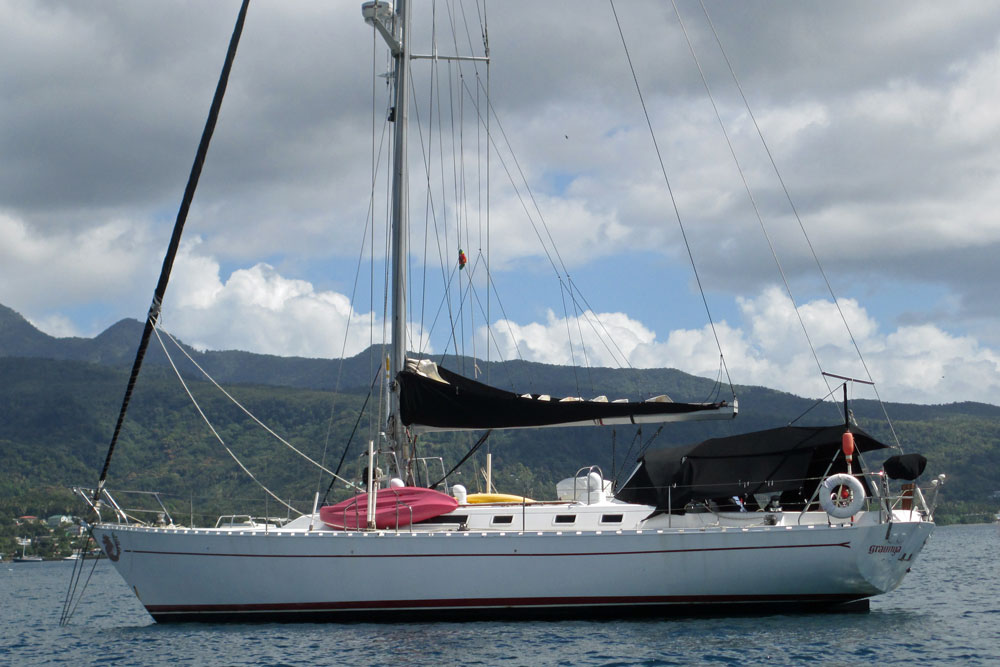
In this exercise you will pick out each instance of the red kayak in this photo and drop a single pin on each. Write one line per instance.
(394, 508)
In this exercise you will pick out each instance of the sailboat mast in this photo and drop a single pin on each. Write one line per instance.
(400, 228)
(395, 29)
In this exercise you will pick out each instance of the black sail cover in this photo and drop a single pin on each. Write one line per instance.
(905, 466)
(433, 398)
(787, 462)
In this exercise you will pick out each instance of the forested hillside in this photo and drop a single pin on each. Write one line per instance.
(59, 399)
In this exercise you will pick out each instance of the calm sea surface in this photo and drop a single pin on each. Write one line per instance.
(946, 611)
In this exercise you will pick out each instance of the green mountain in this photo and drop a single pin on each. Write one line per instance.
(59, 398)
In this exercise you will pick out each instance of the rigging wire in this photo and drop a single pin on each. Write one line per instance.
(74, 580)
(583, 346)
(218, 437)
(637, 436)
(540, 227)
(753, 200)
(235, 402)
(458, 166)
(428, 197)
(645, 446)
(489, 332)
(454, 209)
(575, 293)
(798, 219)
(473, 293)
(369, 222)
(468, 455)
(566, 283)
(489, 281)
(670, 190)
(569, 336)
(486, 115)
(818, 401)
(350, 438)
(479, 159)
(384, 401)
(70, 607)
(72, 599)
(426, 153)
(459, 187)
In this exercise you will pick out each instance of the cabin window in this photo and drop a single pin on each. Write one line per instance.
(565, 518)
(611, 518)
(503, 519)
(447, 518)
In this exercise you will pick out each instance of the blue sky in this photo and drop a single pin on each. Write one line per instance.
(881, 118)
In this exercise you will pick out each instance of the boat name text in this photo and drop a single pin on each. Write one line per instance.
(884, 549)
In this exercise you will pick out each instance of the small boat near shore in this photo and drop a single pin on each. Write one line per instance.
(25, 558)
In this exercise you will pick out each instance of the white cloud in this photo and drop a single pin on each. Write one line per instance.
(608, 338)
(783, 126)
(41, 273)
(975, 93)
(56, 325)
(883, 124)
(259, 310)
(914, 364)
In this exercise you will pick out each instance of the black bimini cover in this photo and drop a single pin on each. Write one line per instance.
(905, 466)
(787, 461)
(435, 399)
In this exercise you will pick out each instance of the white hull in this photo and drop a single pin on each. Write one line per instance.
(281, 574)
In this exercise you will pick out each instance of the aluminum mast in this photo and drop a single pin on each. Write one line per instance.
(395, 29)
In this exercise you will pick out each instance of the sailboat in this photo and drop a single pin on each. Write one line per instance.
(789, 518)
(24, 557)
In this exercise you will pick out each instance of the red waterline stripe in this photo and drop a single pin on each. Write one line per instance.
(498, 602)
(846, 545)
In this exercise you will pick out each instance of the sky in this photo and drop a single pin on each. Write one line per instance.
(880, 117)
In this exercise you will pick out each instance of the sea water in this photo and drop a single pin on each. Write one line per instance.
(946, 611)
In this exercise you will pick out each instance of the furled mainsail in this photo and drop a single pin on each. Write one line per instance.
(433, 398)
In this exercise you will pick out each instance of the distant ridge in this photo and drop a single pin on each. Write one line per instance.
(59, 398)
(19, 338)
(115, 347)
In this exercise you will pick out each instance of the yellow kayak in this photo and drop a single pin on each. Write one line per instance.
(476, 498)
